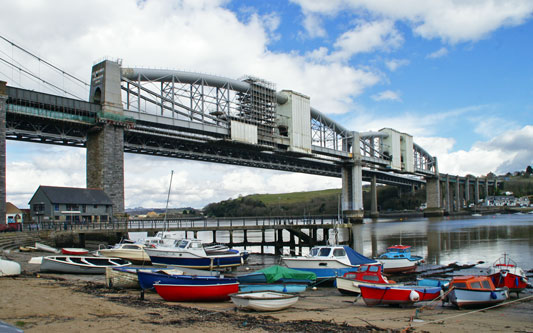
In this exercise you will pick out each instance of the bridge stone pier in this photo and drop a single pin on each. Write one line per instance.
(105, 141)
(3, 99)
(352, 182)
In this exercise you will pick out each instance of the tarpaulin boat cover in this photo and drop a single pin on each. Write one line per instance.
(275, 273)
(357, 258)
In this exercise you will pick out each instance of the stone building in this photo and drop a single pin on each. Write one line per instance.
(69, 204)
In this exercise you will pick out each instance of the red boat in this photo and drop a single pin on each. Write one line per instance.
(505, 273)
(403, 295)
(74, 251)
(191, 293)
(370, 274)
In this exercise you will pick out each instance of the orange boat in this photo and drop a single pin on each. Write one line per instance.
(475, 291)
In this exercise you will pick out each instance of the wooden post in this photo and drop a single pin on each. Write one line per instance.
(231, 238)
(214, 236)
(245, 238)
(263, 241)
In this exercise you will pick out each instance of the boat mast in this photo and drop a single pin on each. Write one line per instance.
(168, 198)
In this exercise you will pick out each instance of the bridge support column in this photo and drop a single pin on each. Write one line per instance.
(352, 182)
(458, 195)
(374, 199)
(447, 195)
(467, 191)
(433, 195)
(486, 187)
(476, 191)
(3, 111)
(105, 143)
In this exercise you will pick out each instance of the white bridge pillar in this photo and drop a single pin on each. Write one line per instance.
(3, 111)
(352, 182)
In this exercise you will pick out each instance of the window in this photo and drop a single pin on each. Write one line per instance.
(460, 285)
(339, 253)
(324, 252)
(83, 208)
(56, 207)
(95, 206)
(38, 207)
(475, 285)
(374, 268)
(363, 268)
(370, 278)
(486, 284)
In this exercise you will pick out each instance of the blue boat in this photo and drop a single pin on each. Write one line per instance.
(192, 254)
(328, 261)
(147, 278)
(277, 287)
(398, 258)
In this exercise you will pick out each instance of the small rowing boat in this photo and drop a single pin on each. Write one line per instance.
(74, 251)
(264, 301)
(398, 295)
(80, 265)
(196, 292)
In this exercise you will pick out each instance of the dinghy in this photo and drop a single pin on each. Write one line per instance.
(399, 295)
(264, 301)
(9, 268)
(474, 291)
(80, 265)
(504, 272)
(196, 292)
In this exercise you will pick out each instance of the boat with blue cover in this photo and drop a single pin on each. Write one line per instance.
(328, 261)
(398, 258)
(278, 274)
(276, 287)
(192, 254)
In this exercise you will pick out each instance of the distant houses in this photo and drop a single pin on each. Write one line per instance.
(507, 201)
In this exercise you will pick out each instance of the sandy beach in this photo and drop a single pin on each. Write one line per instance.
(38, 302)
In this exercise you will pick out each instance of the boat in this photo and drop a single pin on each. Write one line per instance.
(276, 287)
(191, 253)
(196, 292)
(398, 295)
(328, 261)
(398, 258)
(163, 238)
(80, 264)
(474, 291)
(75, 251)
(433, 282)
(348, 284)
(129, 251)
(504, 272)
(264, 300)
(9, 268)
(278, 274)
(147, 278)
(46, 248)
(121, 278)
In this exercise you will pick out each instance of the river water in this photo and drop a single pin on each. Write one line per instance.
(440, 241)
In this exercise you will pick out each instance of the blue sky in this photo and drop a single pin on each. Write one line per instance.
(456, 75)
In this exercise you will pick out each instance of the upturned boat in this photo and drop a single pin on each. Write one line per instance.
(348, 284)
(196, 292)
(328, 261)
(504, 272)
(398, 295)
(264, 301)
(74, 251)
(398, 258)
(191, 253)
(80, 264)
(474, 291)
(9, 268)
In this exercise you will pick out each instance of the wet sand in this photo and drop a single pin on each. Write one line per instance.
(38, 302)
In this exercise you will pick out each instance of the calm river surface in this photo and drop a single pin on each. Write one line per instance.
(440, 241)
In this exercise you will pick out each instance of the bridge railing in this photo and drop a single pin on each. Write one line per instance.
(205, 223)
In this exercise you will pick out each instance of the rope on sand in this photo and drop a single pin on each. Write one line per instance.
(464, 314)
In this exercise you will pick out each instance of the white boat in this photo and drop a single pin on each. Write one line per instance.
(163, 238)
(129, 251)
(80, 265)
(475, 291)
(9, 268)
(46, 248)
(264, 300)
(328, 261)
(398, 258)
(191, 253)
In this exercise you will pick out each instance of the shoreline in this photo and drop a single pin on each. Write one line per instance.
(39, 302)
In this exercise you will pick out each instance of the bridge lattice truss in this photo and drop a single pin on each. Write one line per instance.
(203, 107)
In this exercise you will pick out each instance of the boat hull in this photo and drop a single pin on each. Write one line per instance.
(264, 301)
(74, 251)
(174, 258)
(402, 295)
(192, 293)
(147, 279)
(463, 298)
(514, 282)
(9, 268)
(80, 265)
(398, 265)
(135, 256)
(352, 287)
(276, 287)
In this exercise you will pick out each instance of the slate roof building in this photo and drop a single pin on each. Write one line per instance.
(70, 204)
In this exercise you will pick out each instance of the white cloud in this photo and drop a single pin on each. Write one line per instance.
(490, 126)
(438, 54)
(394, 64)
(313, 26)
(450, 21)
(367, 37)
(387, 95)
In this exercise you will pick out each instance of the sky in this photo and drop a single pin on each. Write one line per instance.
(456, 75)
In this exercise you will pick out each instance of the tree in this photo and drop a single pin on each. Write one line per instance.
(529, 170)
